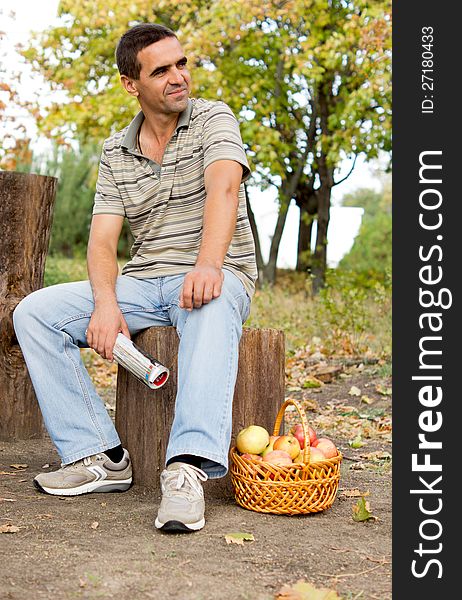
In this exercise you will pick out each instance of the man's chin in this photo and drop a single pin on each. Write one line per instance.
(178, 105)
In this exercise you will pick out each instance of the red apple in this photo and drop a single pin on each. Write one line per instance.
(297, 431)
(278, 457)
(327, 447)
(316, 455)
(289, 444)
(251, 456)
(269, 447)
(252, 439)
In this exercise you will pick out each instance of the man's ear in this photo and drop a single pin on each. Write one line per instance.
(129, 85)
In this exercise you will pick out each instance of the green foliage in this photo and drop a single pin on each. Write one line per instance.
(76, 171)
(348, 318)
(370, 258)
(60, 269)
(308, 79)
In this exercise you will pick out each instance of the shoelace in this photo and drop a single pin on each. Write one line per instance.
(186, 473)
(86, 461)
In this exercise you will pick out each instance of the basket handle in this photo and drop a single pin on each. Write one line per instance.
(302, 414)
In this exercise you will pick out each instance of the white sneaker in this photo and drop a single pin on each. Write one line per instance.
(182, 506)
(95, 473)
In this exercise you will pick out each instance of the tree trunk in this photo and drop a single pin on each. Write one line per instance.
(26, 215)
(304, 242)
(269, 272)
(319, 262)
(144, 417)
(256, 238)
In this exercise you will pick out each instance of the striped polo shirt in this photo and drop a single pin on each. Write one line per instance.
(164, 204)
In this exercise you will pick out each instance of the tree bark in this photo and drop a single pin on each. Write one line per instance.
(269, 271)
(256, 238)
(326, 177)
(319, 261)
(307, 201)
(144, 417)
(305, 228)
(26, 215)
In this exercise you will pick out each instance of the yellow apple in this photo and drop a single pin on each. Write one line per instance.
(252, 439)
(269, 447)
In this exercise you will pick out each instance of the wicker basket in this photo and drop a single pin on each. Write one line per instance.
(290, 490)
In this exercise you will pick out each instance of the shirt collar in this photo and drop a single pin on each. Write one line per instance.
(129, 141)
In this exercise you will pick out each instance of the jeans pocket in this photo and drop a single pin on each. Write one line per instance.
(244, 305)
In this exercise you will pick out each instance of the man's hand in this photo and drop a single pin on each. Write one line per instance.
(105, 323)
(200, 286)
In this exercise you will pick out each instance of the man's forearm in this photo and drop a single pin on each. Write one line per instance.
(219, 224)
(102, 272)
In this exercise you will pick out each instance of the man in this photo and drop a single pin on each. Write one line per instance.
(176, 174)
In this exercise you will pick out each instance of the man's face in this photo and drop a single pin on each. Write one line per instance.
(164, 83)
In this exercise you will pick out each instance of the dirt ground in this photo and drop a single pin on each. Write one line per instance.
(106, 546)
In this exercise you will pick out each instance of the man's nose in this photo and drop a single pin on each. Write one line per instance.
(176, 76)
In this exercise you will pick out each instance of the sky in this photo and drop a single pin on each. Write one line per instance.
(35, 15)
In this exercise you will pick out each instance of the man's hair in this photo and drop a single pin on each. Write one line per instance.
(135, 39)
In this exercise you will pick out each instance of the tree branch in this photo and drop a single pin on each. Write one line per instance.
(350, 172)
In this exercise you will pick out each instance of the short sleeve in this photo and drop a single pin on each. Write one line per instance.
(107, 197)
(222, 140)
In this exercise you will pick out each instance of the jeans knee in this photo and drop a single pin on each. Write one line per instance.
(26, 311)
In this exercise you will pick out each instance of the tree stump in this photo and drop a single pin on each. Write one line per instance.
(144, 416)
(26, 205)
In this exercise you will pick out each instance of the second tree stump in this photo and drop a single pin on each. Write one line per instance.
(144, 416)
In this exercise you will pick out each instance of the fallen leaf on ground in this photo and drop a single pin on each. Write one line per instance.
(383, 390)
(357, 442)
(354, 391)
(309, 404)
(239, 538)
(367, 400)
(361, 511)
(359, 466)
(45, 466)
(377, 455)
(311, 382)
(7, 473)
(353, 493)
(7, 528)
(303, 590)
(19, 466)
(94, 525)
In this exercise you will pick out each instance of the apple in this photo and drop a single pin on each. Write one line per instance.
(252, 439)
(297, 431)
(316, 455)
(327, 447)
(299, 458)
(278, 457)
(269, 447)
(289, 444)
(251, 456)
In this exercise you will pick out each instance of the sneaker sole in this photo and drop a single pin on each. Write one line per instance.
(179, 527)
(95, 486)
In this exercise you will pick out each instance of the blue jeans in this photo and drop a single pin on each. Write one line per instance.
(50, 327)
